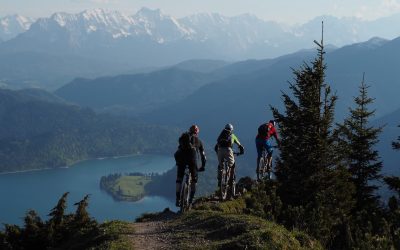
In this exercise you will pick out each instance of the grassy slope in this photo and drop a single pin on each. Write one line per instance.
(214, 225)
(118, 236)
(218, 230)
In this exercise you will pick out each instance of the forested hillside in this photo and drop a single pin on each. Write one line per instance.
(40, 134)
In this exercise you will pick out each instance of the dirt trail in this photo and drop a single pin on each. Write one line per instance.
(154, 234)
(151, 235)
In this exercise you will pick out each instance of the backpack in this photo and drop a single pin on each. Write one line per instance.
(263, 130)
(185, 141)
(225, 139)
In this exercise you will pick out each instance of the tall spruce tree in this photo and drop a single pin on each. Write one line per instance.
(56, 224)
(396, 144)
(394, 181)
(394, 214)
(316, 194)
(358, 138)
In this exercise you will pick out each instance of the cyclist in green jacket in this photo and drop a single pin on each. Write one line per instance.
(224, 145)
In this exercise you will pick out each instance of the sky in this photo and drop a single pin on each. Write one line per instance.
(286, 11)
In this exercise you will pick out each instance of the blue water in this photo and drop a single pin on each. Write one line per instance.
(40, 190)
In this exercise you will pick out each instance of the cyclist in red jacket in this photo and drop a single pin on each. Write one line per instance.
(263, 141)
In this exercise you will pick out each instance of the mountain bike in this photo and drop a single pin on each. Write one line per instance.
(185, 191)
(264, 169)
(228, 184)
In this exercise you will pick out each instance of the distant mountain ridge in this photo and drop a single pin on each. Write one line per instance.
(134, 94)
(118, 43)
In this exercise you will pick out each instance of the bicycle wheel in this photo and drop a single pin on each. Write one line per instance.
(261, 167)
(224, 182)
(185, 196)
(270, 170)
(184, 192)
(232, 184)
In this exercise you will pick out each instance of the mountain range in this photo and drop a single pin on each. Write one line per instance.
(240, 93)
(100, 42)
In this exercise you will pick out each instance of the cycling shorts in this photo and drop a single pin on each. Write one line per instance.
(262, 144)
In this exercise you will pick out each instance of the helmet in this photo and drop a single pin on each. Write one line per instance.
(229, 127)
(272, 122)
(194, 129)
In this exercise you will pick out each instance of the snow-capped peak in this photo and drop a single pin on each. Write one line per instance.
(11, 26)
(62, 18)
(149, 13)
(160, 26)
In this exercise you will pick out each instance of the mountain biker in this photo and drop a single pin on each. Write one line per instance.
(189, 146)
(263, 141)
(224, 145)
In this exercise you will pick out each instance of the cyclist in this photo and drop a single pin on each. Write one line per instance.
(224, 145)
(189, 146)
(263, 141)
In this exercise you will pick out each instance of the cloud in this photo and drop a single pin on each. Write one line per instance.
(362, 12)
(378, 9)
(393, 5)
(95, 1)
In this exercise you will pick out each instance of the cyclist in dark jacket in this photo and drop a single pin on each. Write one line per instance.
(186, 156)
(263, 141)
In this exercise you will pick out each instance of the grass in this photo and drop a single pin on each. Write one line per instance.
(216, 230)
(116, 235)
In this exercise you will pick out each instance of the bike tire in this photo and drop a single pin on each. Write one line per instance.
(184, 198)
(261, 167)
(233, 189)
(223, 186)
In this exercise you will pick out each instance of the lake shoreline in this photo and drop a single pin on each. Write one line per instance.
(72, 164)
(40, 190)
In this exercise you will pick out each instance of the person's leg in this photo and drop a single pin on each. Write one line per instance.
(231, 162)
(259, 147)
(193, 173)
(270, 150)
(179, 178)
(220, 165)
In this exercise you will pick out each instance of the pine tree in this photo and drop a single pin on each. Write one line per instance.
(396, 144)
(394, 214)
(315, 192)
(81, 217)
(394, 181)
(358, 138)
(55, 225)
(58, 212)
(33, 234)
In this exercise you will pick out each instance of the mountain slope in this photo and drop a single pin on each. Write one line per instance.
(41, 134)
(134, 94)
(35, 69)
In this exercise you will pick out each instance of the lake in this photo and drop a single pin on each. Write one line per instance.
(41, 190)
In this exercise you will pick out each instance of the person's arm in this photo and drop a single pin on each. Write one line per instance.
(202, 154)
(237, 142)
(275, 134)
